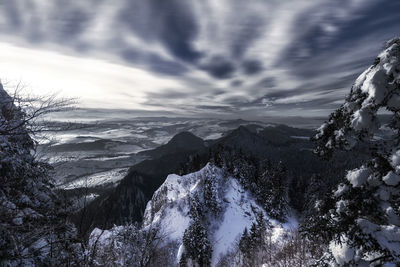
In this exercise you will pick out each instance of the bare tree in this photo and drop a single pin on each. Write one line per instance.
(31, 110)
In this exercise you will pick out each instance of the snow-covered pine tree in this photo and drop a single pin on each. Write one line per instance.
(210, 194)
(198, 248)
(244, 168)
(315, 190)
(255, 245)
(237, 163)
(196, 208)
(34, 230)
(272, 190)
(128, 245)
(258, 230)
(245, 249)
(361, 221)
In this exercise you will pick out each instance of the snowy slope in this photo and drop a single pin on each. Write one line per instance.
(111, 177)
(170, 206)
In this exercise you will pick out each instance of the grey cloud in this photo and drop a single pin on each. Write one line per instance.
(63, 22)
(11, 14)
(236, 83)
(153, 62)
(267, 82)
(170, 22)
(352, 35)
(236, 101)
(131, 55)
(220, 108)
(70, 23)
(248, 32)
(252, 67)
(163, 66)
(168, 94)
(219, 67)
(217, 92)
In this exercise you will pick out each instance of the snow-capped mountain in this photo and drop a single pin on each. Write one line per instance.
(236, 209)
(215, 200)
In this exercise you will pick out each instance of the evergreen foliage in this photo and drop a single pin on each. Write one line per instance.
(197, 246)
(210, 194)
(361, 219)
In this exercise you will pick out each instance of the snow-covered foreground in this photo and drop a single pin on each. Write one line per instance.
(170, 210)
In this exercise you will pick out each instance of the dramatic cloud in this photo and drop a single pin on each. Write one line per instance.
(219, 67)
(251, 59)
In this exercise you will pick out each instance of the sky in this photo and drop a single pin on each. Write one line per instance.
(204, 58)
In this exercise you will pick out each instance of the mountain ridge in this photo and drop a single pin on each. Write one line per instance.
(147, 176)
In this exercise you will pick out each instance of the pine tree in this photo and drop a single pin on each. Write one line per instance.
(361, 220)
(314, 191)
(196, 209)
(255, 245)
(258, 231)
(197, 246)
(210, 194)
(246, 249)
(272, 190)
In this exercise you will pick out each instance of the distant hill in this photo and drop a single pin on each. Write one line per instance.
(283, 134)
(184, 141)
(245, 140)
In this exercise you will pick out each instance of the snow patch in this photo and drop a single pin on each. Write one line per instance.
(391, 178)
(358, 177)
(388, 236)
(342, 188)
(237, 216)
(97, 179)
(342, 253)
